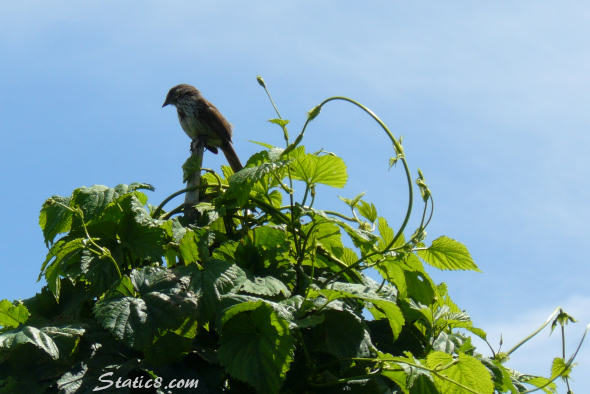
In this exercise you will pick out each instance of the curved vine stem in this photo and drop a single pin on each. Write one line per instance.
(400, 154)
(178, 193)
(167, 200)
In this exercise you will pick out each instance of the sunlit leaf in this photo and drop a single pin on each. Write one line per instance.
(447, 254)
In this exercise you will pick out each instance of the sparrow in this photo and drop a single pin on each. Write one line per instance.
(203, 122)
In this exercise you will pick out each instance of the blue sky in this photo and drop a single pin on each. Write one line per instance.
(491, 98)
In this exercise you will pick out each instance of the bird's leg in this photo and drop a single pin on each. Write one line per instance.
(194, 145)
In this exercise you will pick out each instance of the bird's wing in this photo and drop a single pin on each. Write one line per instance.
(211, 116)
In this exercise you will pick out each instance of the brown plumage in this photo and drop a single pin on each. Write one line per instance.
(201, 121)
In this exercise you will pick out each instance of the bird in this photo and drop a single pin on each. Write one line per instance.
(203, 122)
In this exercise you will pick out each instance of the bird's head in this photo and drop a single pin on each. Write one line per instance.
(178, 92)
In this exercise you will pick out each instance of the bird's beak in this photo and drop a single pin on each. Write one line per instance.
(165, 103)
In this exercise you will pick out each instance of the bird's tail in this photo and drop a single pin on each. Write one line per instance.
(231, 156)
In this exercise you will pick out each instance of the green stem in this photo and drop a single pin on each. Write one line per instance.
(176, 210)
(398, 150)
(567, 383)
(341, 216)
(522, 342)
(170, 197)
(104, 252)
(305, 195)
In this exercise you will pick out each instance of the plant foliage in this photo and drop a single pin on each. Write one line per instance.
(264, 292)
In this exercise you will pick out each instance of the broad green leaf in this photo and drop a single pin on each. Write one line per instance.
(447, 254)
(327, 235)
(391, 269)
(62, 258)
(66, 338)
(218, 278)
(98, 273)
(124, 288)
(149, 279)
(367, 210)
(467, 371)
(342, 334)
(164, 304)
(362, 239)
(267, 286)
(190, 166)
(127, 319)
(174, 229)
(256, 347)
(193, 246)
(387, 235)
(72, 381)
(93, 200)
(9, 340)
(138, 231)
(559, 367)
(270, 238)
(168, 348)
(350, 290)
(257, 170)
(136, 321)
(500, 375)
(55, 218)
(313, 169)
(11, 315)
(419, 286)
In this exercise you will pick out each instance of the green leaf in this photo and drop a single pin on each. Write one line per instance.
(313, 169)
(267, 286)
(93, 200)
(164, 304)
(256, 346)
(500, 376)
(559, 367)
(280, 122)
(447, 254)
(362, 292)
(124, 189)
(11, 315)
(342, 334)
(190, 166)
(127, 319)
(99, 273)
(168, 348)
(387, 235)
(466, 371)
(258, 169)
(193, 246)
(218, 278)
(9, 340)
(66, 338)
(419, 286)
(270, 238)
(368, 211)
(62, 258)
(55, 218)
(71, 381)
(539, 381)
(352, 202)
(391, 269)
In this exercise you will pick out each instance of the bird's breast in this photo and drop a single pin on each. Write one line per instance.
(197, 129)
